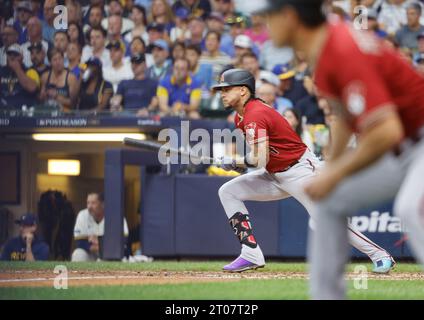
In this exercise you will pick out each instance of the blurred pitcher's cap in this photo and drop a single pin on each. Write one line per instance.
(14, 48)
(27, 220)
(243, 41)
(420, 36)
(267, 6)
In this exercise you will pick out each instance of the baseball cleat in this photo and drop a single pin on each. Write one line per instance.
(240, 265)
(384, 265)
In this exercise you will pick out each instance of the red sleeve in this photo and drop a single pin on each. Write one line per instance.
(256, 127)
(363, 90)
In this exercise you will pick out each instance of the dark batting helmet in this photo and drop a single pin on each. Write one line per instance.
(236, 78)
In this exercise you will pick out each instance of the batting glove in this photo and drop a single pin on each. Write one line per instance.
(228, 164)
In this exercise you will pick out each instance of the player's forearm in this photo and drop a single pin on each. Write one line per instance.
(372, 145)
(339, 137)
(257, 157)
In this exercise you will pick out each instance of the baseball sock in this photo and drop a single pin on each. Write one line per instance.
(243, 229)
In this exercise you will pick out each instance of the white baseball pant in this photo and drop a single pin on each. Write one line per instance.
(260, 185)
(400, 177)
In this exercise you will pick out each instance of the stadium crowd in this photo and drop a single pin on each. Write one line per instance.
(161, 57)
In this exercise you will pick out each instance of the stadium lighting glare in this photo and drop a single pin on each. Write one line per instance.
(63, 167)
(87, 137)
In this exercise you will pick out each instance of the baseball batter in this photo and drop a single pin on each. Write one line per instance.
(284, 163)
(377, 94)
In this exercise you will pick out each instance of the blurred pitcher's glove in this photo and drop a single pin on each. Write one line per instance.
(228, 164)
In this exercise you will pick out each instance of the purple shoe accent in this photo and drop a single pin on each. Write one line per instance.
(240, 265)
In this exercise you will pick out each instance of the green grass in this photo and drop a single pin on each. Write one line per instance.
(179, 266)
(239, 289)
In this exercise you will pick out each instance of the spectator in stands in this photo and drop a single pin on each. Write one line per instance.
(406, 36)
(237, 25)
(300, 65)
(9, 36)
(95, 18)
(178, 50)
(294, 118)
(74, 11)
(97, 47)
(37, 10)
(290, 87)
(258, 32)
(268, 93)
(202, 72)
(49, 16)
(38, 58)
(76, 34)
(420, 64)
(162, 65)
(95, 93)
(138, 46)
(27, 246)
(120, 68)
(73, 53)
(197, 28)
(114, 28)
(270, 55)
(35, 35)
(61, 41)
(198, 8)
(137, 95)
(215, 22)
(212, 55)
(420, 44)
(243, 45)
(226, 8)
(249, 62)
(18, 85)
(180, 32)
(179, 94)
(373, 24)
(89, 227)
(155, 32)
(59, 84)
(161, 13)
(24, 13)
(392, 15)
(308, 106)
(139, 18)
(121, 25)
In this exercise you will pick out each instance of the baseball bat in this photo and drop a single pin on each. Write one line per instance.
(155, 146)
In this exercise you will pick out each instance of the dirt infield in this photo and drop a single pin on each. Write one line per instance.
(43, 278)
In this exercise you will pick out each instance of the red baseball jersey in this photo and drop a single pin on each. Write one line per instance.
(365, 78)
(261, 122)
